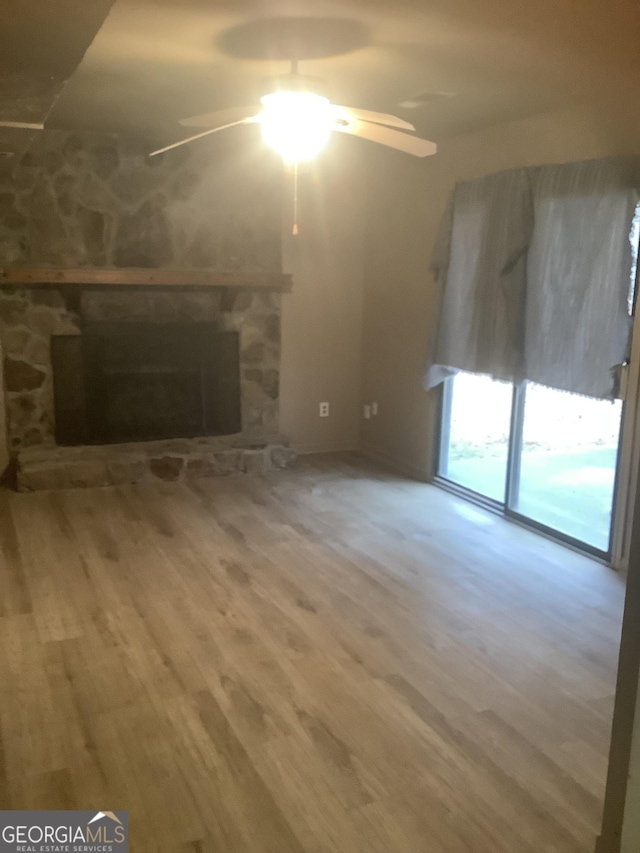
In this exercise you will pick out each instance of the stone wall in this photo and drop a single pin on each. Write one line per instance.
(99, 201)
(29, 317)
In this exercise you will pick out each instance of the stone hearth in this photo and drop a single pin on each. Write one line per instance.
(43, 468)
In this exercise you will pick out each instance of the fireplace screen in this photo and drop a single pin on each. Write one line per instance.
(134, 382)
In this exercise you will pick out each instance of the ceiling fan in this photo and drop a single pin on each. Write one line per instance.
(297, 119)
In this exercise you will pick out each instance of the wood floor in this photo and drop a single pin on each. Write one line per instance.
(332, 659)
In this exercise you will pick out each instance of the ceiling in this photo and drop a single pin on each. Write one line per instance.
(468, 63)
(42, 44)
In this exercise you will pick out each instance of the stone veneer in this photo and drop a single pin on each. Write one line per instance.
(147, 462)
(99, 201)
(29, 317)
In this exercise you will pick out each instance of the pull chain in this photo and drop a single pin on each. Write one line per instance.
(295, 201)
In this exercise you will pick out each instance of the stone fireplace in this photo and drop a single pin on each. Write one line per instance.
(118, 365)
(185, 372)
(37, 323)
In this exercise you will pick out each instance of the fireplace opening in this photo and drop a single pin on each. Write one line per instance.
(120, 382)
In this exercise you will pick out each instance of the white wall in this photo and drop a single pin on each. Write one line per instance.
(322, 316)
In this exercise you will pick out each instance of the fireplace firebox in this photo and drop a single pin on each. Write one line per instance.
(121, 382)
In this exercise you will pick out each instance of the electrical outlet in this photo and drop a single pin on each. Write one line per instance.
(374, 409)
(324, 410)
(367, 412)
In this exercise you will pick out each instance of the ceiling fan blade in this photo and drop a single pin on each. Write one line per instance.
(378, 118)
(249, 120)
(22, 125)
(220, 117)
(386, 136)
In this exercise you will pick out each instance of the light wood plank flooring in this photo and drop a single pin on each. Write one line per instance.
(329, 660)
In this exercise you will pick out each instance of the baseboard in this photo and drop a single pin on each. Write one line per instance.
(308, 449)
(382, 457)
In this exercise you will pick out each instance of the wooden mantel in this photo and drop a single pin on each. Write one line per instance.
(46, 277)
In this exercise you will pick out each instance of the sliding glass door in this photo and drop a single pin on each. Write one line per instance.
(567, 464)
(475, 434)
(546, 457)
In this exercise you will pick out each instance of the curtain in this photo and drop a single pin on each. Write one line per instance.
(479, 265)
(578, 323)
(533, 269)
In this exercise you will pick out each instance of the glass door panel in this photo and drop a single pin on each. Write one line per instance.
(564, 477)
(475, 434)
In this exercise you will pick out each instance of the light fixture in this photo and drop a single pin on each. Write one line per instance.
(296, 124)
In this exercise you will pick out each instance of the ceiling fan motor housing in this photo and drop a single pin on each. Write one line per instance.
(295, 82)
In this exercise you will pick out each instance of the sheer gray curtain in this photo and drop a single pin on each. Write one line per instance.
(533, 267)
(479, 264)
(578, 322)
